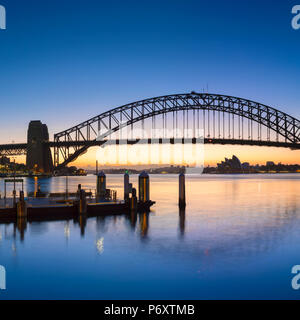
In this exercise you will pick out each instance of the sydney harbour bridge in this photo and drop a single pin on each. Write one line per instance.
(222, 119)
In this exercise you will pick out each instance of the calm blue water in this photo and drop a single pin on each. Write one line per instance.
(238, 239)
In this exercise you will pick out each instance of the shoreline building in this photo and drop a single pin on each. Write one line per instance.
(232, 165)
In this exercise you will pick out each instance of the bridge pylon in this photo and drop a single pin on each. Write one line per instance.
(38, 156)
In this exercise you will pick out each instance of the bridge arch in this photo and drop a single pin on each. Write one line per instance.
(73, 142)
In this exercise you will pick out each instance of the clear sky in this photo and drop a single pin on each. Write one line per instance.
(63, 62)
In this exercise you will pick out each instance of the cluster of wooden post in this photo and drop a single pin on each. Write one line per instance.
(143, 187)
(144, 191)
(101, 192)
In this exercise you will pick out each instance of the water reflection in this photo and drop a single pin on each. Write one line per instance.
(144, 224)
(21, 226)
(228, 221)
(100, 245)
(100, 224)
(182, 221)
(33, 184)
(67, 231)
(133, 219)
(276, 221)
(82, 223)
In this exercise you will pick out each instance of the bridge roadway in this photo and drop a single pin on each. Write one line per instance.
(21, 148)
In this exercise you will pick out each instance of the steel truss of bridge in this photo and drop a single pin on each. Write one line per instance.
(223, 119)
(10, 150)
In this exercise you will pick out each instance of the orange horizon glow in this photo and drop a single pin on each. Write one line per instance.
(213, 154)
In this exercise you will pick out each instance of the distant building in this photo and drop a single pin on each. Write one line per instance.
(4, 161)
(246, 166)
(270, 164)
(232, 165)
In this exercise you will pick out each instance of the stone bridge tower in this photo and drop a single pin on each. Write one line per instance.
(38, 156)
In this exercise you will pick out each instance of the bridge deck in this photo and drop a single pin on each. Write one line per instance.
(21, 147)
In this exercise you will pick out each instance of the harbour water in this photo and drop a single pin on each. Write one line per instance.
(238, 239)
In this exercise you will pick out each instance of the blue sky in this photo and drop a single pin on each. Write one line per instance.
(65, 61)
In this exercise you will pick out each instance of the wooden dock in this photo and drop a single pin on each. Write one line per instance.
(49, 209)
(40, 206)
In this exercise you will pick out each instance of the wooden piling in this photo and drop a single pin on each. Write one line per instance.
(126, 187)
(82, 207)
(144, 190)
(101, 185)
(133, 200)
(21, 206)
(182, 201)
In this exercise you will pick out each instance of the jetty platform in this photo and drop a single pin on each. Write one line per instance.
(41, 206)
(48, 209)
